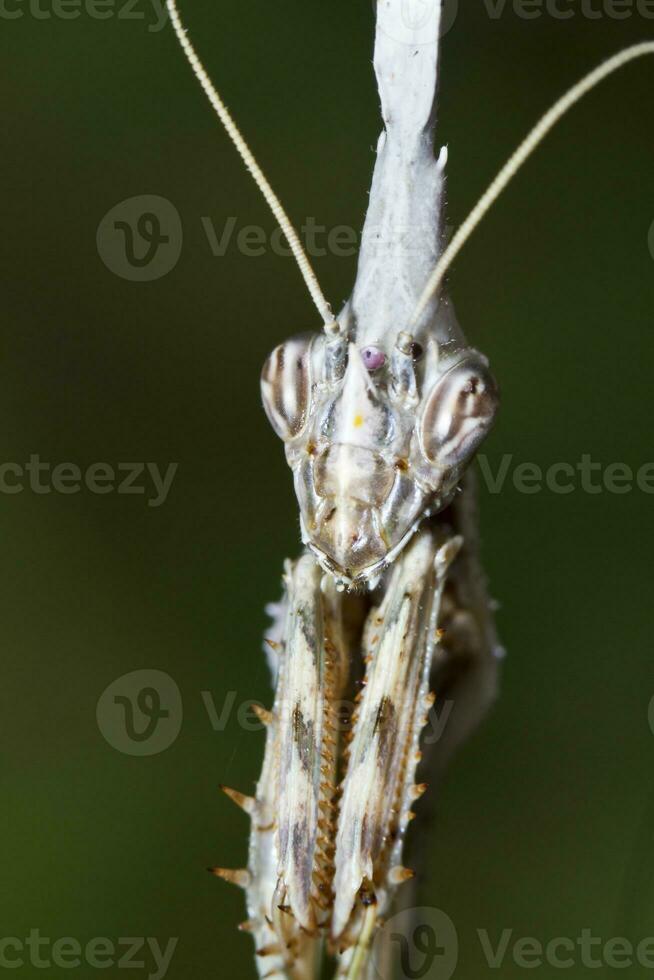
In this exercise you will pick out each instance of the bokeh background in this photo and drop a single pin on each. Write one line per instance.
(546, 823)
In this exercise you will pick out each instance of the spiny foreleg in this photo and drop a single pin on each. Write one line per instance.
(379, 786)
(288, 881)
(311, 679)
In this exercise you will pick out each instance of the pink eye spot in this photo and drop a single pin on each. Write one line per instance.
(373, 358)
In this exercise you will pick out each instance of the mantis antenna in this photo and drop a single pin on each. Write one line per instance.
(250, 162)
(516, 161)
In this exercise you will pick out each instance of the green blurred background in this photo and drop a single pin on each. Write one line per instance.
(546, 823)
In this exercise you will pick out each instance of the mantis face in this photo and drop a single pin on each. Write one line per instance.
(377, 439)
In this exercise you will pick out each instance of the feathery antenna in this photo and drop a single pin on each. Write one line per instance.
(250, 162)
(517, 160)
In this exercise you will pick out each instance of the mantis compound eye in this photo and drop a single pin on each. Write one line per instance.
(286, 387)
(458, 413)
(373, 358)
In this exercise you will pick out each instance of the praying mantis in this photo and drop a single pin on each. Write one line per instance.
(380, 414)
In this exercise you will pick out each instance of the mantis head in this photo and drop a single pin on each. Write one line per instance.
(377, 436)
